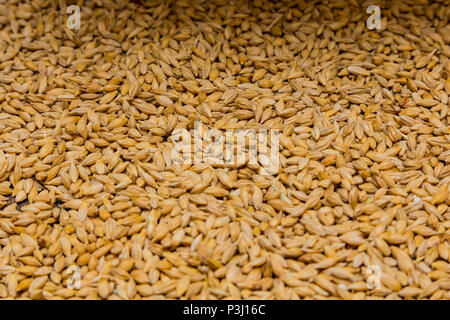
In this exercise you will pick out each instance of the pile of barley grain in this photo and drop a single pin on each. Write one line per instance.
(87, 180)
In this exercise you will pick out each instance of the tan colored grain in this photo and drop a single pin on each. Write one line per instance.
(87, 177)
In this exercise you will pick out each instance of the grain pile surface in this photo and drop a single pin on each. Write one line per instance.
(359, 207)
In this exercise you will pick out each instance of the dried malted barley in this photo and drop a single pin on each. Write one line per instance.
(357, 209)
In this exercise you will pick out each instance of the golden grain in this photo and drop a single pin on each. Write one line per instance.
(87, 177)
